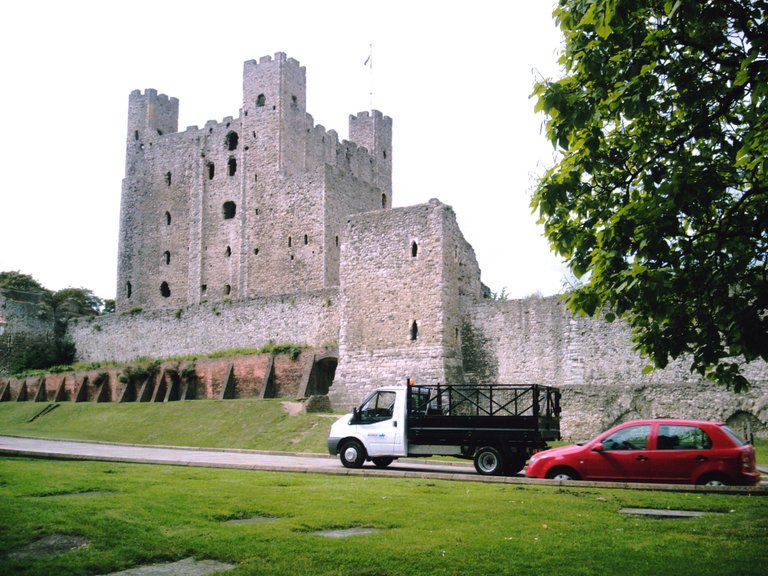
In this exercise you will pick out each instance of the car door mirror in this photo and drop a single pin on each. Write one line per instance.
(598, 447)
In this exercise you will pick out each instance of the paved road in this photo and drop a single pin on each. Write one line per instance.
(284, 462)
(215, 458)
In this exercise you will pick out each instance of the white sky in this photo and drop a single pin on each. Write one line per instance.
(455, 77)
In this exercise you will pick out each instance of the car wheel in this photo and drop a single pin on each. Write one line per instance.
(562, 474)
(713, 480)
(352, 454)
(382, 461)
(488, 461)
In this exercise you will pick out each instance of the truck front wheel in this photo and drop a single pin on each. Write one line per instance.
(352, 454)
(488, 461)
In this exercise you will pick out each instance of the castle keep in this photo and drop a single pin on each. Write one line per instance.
(267, 228)
(251, 206)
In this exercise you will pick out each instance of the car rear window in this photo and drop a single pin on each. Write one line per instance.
(735, 437)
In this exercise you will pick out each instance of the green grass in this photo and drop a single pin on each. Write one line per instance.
(143, 514)
(247, 424)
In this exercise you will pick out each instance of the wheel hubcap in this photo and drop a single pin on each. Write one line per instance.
(488, 462)
(350, 454)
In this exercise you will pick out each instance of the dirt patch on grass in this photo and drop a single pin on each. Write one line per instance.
(50, 545)
(293, 408)
(186, 567)
(346, 532)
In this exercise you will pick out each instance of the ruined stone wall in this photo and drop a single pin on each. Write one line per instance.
(589, 409)
(29, 320)
(537, 340)
(306, 318)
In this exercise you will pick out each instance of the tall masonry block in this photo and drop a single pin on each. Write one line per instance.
(274, 111)
(374, 132)
(403, 274)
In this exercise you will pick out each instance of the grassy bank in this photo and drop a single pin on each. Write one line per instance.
(134, 515)
(247, 424)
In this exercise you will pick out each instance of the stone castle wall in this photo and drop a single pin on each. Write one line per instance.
(302, 318)
(28, 319)
(537, 340)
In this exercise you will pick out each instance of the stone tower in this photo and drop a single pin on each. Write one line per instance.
(246, 207)
(407, 275)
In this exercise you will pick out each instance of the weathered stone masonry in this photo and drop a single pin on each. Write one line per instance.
(266, 227)
(247, 207)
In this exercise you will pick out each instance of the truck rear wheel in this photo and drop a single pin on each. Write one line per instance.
(488, 461)
(352, 454)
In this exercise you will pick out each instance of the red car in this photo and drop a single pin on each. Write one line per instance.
(673, 451)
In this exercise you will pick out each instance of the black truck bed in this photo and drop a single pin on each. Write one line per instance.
(470, 414)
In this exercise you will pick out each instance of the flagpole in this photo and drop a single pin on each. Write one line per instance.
(369, 62)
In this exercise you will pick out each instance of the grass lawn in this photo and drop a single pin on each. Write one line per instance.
(134, 515)
(247, 424)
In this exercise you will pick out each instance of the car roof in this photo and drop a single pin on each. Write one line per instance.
(674, 421)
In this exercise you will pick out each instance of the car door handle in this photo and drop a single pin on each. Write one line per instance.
(701, 458)
(394, 424)
(641, 458)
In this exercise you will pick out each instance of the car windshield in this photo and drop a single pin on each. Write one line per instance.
(736, 438)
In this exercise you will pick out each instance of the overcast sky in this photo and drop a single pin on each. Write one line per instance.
(454, 76)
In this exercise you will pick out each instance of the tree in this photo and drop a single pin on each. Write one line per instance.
(18, 281)
(73, 302)
(658, 201)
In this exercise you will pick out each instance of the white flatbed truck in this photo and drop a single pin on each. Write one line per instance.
(497, 426)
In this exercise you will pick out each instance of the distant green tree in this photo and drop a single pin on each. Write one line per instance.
(18, 281)
(109, 306)
(659, 201)
(73, 302)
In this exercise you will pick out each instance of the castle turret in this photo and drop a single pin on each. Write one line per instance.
(374, 132)
(151, 113)
(274, 111)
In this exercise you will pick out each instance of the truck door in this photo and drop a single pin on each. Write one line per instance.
(380, 423)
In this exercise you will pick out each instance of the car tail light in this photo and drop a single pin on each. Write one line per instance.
(748, 460)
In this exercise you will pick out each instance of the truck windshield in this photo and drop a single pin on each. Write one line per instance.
(378, 407)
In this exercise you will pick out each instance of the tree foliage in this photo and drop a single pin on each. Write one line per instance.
(658, 200)
(74, 302)
(18, 281)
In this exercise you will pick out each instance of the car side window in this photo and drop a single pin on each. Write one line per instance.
(379, 407)
(682, 438)
(631, 438)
